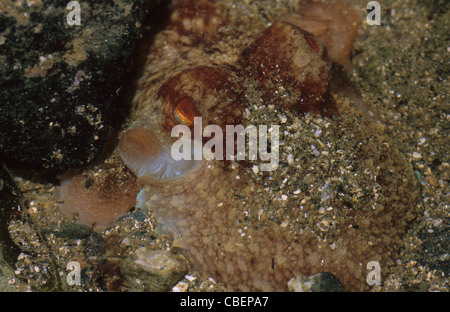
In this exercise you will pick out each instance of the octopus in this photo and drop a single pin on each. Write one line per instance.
(341, 195)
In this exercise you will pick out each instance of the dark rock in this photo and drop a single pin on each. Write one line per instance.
(10, 204)
(59, 83)
(72, 231)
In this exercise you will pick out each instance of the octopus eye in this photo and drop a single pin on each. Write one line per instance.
(315, 44)
(186, 111)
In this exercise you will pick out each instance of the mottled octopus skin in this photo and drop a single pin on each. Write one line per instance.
(200, 208)
(212, 236)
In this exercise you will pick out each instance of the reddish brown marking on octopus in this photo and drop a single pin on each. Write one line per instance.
(292, 68)
(186, 110)
(316, 45)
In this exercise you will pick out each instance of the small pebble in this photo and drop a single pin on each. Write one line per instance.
(417, 155)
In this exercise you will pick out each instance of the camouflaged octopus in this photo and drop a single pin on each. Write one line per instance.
(206, 64)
